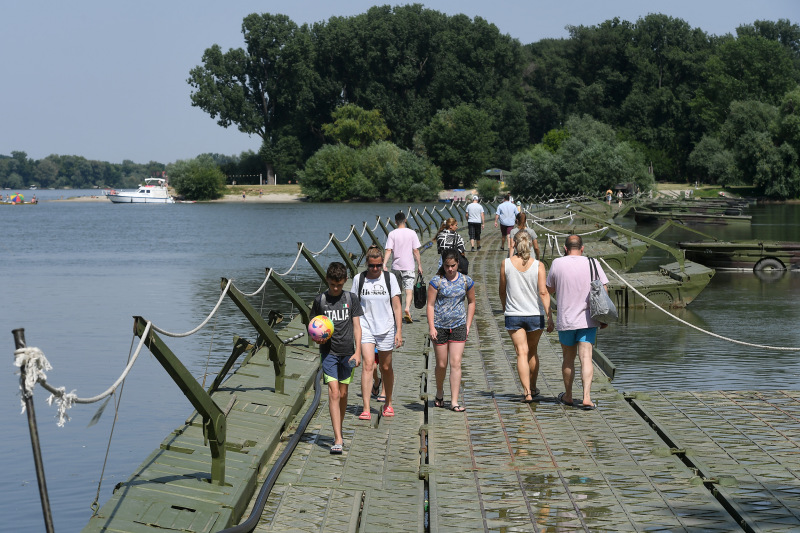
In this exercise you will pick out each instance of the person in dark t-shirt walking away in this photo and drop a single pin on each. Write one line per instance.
(342, 352)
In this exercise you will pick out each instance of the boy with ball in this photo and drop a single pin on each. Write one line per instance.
(341, 353)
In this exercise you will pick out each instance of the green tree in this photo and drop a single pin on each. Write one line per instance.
(712, 162)
(197, 179)
(459, 141)
(382, 170)
(488, 188)
(591, 159)
(356, 127)
(748, 68)
(264, 88)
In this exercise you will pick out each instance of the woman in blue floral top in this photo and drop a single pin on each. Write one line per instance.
(448, 323)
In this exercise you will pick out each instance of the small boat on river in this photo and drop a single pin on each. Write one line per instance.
(154, 191)
(752, 255)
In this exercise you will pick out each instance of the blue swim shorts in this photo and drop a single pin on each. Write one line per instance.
(337, 368)
(528, 323)
(571, 337)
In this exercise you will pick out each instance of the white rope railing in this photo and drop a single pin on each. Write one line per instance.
(323, 249)
(352, 228)
(550, 231)
(296, 259)
(701, 330)
(553, 244)
(203, 323)
(261, 288)
(36, 364)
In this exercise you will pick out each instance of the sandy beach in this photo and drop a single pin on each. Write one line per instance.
(276, 198)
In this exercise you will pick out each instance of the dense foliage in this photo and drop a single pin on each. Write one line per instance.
(337, 172)
(197, 179)
(589, 158)
(458, 93)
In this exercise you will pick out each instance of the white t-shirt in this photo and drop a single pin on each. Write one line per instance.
(474, 212)
(375, 299)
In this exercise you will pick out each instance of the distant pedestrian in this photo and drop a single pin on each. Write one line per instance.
(505, 215)
(609, 192)
(381, 328)
(403, 244)
(526, 303)
(619, 198)
(521, 225)
(475, 222)
(449, 321)
(260, 193)
(342, 352)
(243, 196)
(570, 280)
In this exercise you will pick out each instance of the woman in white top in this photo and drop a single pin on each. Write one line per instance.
(381, 327)
(526, 302)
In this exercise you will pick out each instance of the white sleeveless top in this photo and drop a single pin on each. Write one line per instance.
(522, 290)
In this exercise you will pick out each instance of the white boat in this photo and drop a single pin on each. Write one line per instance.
(154, 191)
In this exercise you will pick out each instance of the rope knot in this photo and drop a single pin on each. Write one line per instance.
(64, 401)
(33, 365)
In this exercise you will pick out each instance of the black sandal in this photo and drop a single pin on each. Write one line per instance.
(457, 408)
(376, 388)
(438, 402)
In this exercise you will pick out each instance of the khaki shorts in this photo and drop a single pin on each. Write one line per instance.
(407, 278)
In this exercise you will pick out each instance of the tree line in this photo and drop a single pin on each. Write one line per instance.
(433, 100)
(664, 88)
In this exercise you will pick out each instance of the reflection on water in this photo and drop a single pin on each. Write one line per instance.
(74, 274)
(652, 351)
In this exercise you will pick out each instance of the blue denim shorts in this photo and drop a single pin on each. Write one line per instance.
(571, 337)
(528, 323)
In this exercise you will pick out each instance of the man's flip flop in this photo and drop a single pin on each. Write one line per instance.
(407, 318)
(584, 407)
(365, 416)
(457, 408)
(562, 401)
(376, 388)
(380, 398)
(336, 449)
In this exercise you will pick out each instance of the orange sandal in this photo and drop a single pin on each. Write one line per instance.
(387, 411)
(366, 415)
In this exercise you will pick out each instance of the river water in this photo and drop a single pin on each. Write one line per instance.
(73, 274)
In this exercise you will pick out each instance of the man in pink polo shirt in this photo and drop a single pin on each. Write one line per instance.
(403, 244)
(569, 279)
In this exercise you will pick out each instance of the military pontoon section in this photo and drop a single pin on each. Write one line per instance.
(744, 255)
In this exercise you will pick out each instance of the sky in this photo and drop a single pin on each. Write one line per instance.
(106, 80)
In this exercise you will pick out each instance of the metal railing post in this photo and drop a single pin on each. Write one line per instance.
(214, 422)
(19, 342)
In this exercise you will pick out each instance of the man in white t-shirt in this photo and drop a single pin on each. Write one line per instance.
(570, 279)
(475, 222)
(403, 244)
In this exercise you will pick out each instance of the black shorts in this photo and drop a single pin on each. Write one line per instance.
(456, 334)
(474, 230)
(505, 230)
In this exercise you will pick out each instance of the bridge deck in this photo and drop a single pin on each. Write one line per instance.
(677, 461)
